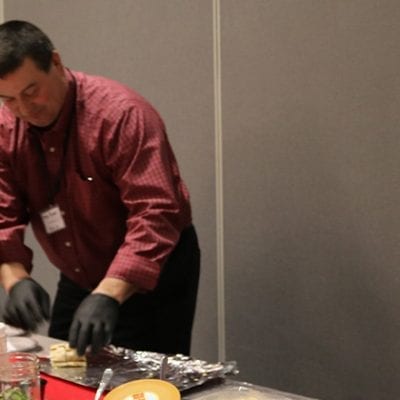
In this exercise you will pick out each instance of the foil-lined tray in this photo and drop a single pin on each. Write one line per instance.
(182, 371)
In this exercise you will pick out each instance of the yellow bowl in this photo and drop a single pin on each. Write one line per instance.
(144, 389)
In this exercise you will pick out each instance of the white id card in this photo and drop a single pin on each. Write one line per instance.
(53, 220)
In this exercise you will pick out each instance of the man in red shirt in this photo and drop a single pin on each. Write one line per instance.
(87, 162)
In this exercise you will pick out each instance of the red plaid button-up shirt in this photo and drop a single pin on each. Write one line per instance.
(121, 194)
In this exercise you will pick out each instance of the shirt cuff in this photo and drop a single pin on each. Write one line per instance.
(136, 270)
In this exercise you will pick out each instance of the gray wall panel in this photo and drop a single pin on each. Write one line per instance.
(164, 50)
(310, 117)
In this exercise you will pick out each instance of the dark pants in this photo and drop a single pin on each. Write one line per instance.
(160, 320)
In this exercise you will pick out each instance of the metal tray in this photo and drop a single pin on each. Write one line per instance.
(182, 371)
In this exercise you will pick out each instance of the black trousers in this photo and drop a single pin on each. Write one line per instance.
(160, 320)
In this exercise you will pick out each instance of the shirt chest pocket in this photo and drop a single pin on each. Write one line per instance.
(90, 194)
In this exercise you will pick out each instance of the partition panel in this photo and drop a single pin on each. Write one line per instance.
(310, 94)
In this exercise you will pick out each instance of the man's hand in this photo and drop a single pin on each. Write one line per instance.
(27, 305)
(94, 322)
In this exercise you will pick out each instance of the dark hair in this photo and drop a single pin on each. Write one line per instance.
(20, 40)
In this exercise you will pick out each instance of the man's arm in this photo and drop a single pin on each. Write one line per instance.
(116, 288)
(11, 273)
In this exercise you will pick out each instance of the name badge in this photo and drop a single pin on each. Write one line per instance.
(53, 220)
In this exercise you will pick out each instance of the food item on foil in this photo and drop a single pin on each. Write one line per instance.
(61, 355)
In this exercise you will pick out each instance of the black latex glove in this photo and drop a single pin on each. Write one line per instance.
(27, 305)
(94, 322)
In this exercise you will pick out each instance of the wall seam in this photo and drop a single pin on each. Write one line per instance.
(1, 11)
(219, 180)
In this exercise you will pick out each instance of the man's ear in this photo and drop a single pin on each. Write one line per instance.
(56, 59)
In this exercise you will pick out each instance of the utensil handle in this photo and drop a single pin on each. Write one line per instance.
(105, 380)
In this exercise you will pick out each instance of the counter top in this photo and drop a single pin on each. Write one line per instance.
(57, 389)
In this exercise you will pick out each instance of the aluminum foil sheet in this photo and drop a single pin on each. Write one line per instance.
(183, 371)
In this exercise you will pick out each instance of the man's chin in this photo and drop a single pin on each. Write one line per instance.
(39, 123)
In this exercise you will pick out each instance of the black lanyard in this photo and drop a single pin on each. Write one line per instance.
(54, 188)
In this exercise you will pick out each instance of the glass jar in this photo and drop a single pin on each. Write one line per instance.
(3, 338)
(19, 376)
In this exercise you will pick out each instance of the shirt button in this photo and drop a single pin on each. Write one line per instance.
(77, 270)
(68, 244)
(52, 149)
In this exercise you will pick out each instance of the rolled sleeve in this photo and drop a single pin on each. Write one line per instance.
(144, 275)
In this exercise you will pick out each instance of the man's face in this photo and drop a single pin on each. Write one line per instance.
(34, 95)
